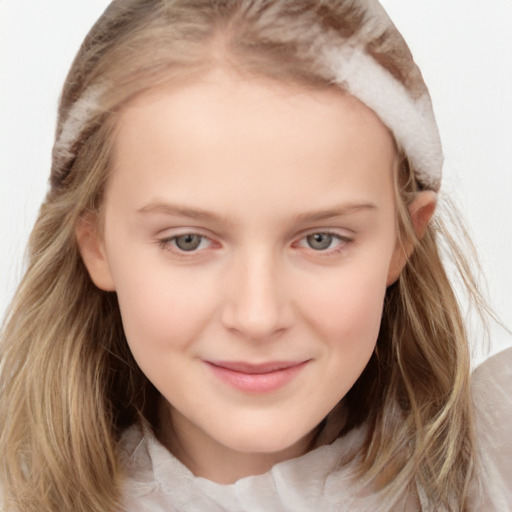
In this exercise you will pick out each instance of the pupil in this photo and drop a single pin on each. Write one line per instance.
(188, 242)
(319, 241)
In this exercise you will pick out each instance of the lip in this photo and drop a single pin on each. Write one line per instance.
(256, 378)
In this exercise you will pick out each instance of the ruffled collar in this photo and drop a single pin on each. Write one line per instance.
(322, 479)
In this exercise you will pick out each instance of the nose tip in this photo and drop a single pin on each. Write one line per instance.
(258, 307)
(252, 322)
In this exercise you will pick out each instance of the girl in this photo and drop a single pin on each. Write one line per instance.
(235, 298)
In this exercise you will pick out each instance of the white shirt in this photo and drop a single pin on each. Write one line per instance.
(322, 480)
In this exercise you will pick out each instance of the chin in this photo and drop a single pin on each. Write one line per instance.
(269, 441)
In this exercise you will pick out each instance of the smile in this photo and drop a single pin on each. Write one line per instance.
(256, 378)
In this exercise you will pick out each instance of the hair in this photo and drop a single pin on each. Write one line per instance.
(69, 384)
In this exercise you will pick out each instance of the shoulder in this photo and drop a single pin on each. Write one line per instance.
(491, 390)
(492, 398)
(495, 367)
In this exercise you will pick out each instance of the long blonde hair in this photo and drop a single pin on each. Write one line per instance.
(69, 385)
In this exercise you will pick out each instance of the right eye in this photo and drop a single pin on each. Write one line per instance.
(187, 242)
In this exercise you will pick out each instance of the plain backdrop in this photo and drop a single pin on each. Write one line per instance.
(464, 48)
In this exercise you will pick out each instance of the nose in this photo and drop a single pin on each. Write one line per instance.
(257, 306)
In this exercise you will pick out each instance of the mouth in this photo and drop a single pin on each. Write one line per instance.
(256, 378)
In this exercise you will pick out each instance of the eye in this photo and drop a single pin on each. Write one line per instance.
(324, 241)
(320, 241)
(187, 242)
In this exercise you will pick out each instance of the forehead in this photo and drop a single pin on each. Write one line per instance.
(225, 134)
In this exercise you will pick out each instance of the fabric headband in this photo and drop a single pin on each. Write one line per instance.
(410, 119)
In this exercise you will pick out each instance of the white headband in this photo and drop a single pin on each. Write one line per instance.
(412, 122)
(82, 111)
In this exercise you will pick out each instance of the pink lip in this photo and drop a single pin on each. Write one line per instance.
(256, 378)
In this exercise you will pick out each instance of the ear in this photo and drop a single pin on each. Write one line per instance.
(91, 247)
(421, 211)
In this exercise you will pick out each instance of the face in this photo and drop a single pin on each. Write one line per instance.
(250, 234)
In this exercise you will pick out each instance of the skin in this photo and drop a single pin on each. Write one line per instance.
(254, 168)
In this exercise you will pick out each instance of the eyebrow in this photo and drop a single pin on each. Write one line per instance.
(204, 215)
(179, 211)
(338, 211)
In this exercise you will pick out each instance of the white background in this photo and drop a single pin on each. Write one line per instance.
(464, 48)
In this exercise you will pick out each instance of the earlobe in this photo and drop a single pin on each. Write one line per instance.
(91, 247)
(421, 211)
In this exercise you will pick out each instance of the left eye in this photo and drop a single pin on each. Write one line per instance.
(321, 241)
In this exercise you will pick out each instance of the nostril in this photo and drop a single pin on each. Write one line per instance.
(253, 323)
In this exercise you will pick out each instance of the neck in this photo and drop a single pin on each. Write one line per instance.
(206, 458)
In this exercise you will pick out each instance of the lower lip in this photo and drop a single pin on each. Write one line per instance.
(257, 382)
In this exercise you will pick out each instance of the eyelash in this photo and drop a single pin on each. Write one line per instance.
(342, 242)
(169, 243)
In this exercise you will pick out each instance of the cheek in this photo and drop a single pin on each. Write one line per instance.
(348, 320)
(348, 309)
(343, 313)
(163, 316)
(163, 309)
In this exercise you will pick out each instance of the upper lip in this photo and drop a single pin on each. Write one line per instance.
(251, 368)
